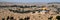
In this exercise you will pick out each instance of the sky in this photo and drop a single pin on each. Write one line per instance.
(25, 1)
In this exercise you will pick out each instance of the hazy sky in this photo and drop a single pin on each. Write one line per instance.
(29, 1)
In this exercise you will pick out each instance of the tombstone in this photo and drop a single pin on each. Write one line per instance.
(47, 11)
(7, 17)
(21, 19)
(53, 5)
(50, 18)
(57, 12)
(58, 17)
(3, 18)
(39, 10)
(33, 11)
(27, 18)
(10, 10)
(58, 9)
(10, 18)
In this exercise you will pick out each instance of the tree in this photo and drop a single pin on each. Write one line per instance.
(14, 6)
(55, 6)
(58, 17)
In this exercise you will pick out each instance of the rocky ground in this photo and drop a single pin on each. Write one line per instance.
(6, 14)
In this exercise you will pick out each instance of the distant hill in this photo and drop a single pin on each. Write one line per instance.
(29, 3)
(54, 3)
(20, 3)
